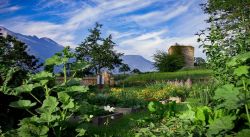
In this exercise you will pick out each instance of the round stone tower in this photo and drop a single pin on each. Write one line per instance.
(186, 51)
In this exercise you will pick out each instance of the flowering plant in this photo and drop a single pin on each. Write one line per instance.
(109, 109)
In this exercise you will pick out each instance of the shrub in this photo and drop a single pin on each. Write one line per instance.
(168, 63)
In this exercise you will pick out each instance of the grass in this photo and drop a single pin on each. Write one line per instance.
(197, 74)
(119, 128)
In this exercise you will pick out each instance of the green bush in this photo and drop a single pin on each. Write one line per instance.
(168, 63)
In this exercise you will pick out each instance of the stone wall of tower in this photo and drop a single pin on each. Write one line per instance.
(186, 51)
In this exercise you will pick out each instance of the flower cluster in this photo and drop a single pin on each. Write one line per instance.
(181, 83)
(109, 109)
(116, 89)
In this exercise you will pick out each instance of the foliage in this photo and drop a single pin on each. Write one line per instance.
(15, 63)
(139, 96)
(143, 79)
(227, 49)
(52, 115)
(228, 34)
(13, 54)
(199, 61)
(136, 71)
(202, 93)
(168, 63)
(124, 68)
(118, 97)
(124, 127)
(98, 51)
(164, 90)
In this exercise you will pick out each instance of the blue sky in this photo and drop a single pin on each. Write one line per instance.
(137, 26)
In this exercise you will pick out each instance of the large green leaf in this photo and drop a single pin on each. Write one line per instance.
(49, 105)
(44, 75)
(28, 129)
(241, 70)
(188, 115)
(47, 118)
(54, 60)
(79, 66)
(229, 96)
(81, 132)
(243, 133)
(221, 124)
(69, 105)
(238, 59)
(25, 88)
(203, 114)
(65, 99)
(154, 106)
(76, 89)
(22, 104)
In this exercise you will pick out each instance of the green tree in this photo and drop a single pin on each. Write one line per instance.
(227, 46)
(124, 68)
(199, 61)
(228, 34)
(13, 53)
(98, 51)
(168, 63)
(136, 71)
(13, 57)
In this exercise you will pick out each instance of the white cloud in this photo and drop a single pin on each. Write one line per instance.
(147, 44)
(9, 9)
(141, 41)
(154, 18)
(160, 16)
(63, 33)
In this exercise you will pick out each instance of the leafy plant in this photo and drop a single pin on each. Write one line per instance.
(168, 63)
(52, 115)
(98, 51)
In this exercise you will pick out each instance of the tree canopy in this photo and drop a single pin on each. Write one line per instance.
(228, 33)
(124, 68)
(98, 51)
(168, 63)
(13, 54)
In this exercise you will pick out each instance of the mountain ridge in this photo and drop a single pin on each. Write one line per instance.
(44, 48)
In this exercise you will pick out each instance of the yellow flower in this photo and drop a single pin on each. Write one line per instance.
(116, 89)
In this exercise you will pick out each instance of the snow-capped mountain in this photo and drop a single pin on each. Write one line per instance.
(44, 48)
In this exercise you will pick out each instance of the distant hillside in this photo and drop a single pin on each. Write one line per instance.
(139, 62)
(44, 48)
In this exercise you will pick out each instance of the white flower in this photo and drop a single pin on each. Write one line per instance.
(109, 109)
(91, 116)
(112, 117)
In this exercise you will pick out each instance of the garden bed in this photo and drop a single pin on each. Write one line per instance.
(126, 111)
(100, 120)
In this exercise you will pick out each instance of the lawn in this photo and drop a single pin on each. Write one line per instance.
(198, 74)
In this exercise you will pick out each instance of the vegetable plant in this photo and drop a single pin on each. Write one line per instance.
(51, 111)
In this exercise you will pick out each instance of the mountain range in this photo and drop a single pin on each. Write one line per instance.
(44, 48)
